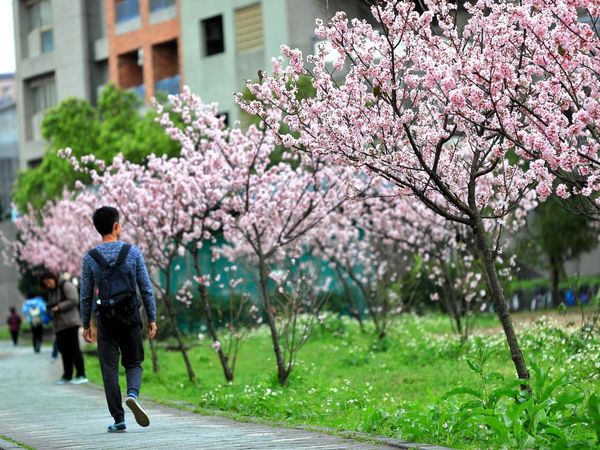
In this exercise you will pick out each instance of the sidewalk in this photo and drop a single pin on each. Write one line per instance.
(42, 415)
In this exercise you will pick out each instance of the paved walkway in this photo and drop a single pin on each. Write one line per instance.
(42, 415)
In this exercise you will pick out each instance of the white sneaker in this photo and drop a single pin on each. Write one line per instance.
(79, 380)
(140, 415)
(63, 381)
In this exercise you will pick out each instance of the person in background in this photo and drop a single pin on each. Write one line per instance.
(14, 325)
(34, 310)
(63, 301)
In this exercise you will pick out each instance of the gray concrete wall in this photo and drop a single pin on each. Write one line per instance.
(9, 139)
(215, 78)
(302, 14)
(9, 154)
(97, 47)
(586, 264)
(9, 294)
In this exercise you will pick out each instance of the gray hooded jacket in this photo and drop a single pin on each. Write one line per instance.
(67, 300)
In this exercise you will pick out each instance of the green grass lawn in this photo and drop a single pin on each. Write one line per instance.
(346, 380)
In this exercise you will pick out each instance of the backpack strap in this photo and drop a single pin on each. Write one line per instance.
(123, 254)
(97, 256)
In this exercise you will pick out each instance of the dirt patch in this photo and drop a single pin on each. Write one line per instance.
(571, 318)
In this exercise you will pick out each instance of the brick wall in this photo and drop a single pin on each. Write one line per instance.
(130, 73)
(147, 37)
(165, 60)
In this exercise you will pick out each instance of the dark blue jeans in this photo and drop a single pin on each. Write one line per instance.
(128, 342)
(37, 333)
(68, 346)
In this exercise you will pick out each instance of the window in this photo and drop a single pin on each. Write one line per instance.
(225, 117)
(47, 38)
(212, 33)
(40, 14)
(155, 5)
(126, 10)
(249, 28)
(40, 19)
(44, 94)
(33, 163)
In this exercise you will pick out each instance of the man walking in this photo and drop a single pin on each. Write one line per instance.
(111, 272)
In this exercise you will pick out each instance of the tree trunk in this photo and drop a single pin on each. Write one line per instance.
(493, 282)
(379, 327)
(467, 319)
(282, 372)
(555, 278)
(154, 353)
(227, 372)
(452, 306)
(173, 319)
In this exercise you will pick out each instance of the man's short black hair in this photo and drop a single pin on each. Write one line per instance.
(30, 295)
(105, 218)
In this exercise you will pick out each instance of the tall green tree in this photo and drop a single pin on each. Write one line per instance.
(116, 125)
(557, 234)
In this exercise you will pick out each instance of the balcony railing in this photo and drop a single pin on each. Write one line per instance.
(168, 85)
(155, 5)
(139, 90)
(127, 10)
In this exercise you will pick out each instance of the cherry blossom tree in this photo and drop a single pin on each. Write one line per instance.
(395, 103)
(54, 238)
(150, 206)
(444, 248)
(205, 175)
(540, 83)
(274, 212)
(377, 238)
(367, 266)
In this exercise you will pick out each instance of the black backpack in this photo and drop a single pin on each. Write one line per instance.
(117, 302)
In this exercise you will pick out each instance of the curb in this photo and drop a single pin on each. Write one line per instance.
(353, 435)
(392, 442)
(8, 445)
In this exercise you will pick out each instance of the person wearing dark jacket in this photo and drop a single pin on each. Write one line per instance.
(14, 325)
(63, 302)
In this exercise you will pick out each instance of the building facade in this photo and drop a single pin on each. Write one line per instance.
(61, 51)
(9, 154)
(226, 42)
(8, 91)
(9, 141)
(9, 276)
(72, 48)
(9, 163)
(144, 45)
